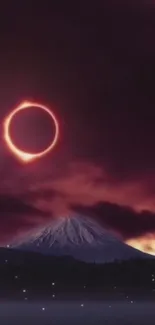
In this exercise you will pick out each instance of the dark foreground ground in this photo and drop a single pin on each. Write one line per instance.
(36, 289)
(77, 313)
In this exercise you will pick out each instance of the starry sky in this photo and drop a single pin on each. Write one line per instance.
(93, 64)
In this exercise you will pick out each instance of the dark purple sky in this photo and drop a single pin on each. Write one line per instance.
(94, 64)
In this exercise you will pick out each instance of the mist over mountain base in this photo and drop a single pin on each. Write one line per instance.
(78, 313)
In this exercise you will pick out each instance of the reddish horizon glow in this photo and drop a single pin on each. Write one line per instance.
(21, 154)
(144, 243)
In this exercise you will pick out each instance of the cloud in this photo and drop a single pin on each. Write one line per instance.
(123, 221)
(88, 184)
(17, 217)
(126, 207)
(85, 187)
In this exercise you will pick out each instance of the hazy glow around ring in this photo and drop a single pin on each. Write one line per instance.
(21, 154)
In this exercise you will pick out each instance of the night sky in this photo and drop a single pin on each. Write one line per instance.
(93, 64)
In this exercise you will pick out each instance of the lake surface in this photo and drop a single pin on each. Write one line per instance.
(77, 313)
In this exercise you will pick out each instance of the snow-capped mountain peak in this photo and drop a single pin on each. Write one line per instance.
(79, 237)
(66, 231)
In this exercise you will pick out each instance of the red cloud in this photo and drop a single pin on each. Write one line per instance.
(87, 184)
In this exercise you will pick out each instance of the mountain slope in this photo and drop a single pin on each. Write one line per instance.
(79, 237)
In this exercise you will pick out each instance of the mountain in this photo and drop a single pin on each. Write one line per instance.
(79, 237)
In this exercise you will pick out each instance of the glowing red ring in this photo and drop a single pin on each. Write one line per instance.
(20, 154)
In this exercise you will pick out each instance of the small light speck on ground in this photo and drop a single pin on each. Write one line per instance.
(82, 305)
(43, 308)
